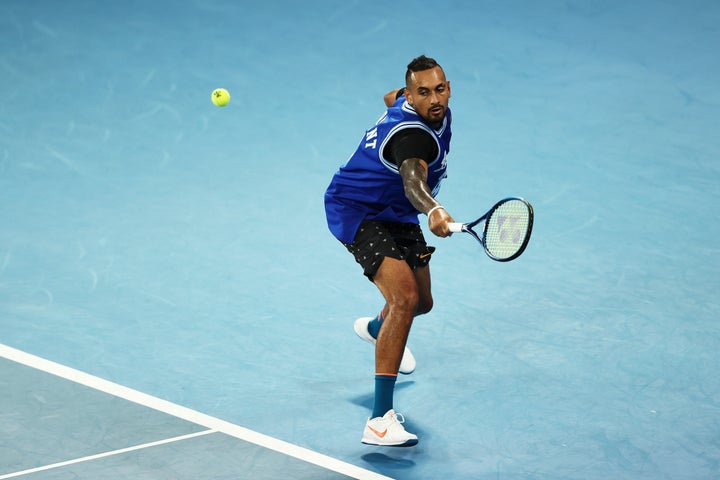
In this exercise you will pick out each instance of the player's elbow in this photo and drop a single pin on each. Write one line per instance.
(390, 97)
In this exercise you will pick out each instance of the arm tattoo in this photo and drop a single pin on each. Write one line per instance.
(414, 175)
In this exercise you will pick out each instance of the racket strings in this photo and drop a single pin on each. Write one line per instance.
(507, 229)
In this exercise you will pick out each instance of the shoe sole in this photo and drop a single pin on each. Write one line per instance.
(409, 443)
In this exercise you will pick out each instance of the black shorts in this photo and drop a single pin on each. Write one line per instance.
(376, 240)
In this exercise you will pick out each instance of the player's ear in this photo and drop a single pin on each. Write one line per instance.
(449, 91)
(408, 96)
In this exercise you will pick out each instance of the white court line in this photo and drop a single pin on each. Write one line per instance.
(188, 414)
(106, 454)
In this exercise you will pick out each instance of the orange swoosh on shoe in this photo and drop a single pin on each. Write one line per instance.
(381, 435)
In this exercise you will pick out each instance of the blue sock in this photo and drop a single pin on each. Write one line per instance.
(374, 325)
(384, 389)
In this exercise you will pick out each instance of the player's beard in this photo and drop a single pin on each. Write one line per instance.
(435, 114)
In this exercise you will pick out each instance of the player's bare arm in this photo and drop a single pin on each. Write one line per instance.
(414, 175)
(390, 97)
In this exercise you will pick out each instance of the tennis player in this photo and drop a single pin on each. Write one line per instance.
(372, 206)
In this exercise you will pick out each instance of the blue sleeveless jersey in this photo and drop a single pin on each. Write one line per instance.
(369, 187)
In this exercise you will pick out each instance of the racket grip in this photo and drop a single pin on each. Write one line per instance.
(455, 227)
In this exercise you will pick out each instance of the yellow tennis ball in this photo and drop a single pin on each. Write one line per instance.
(220, 97)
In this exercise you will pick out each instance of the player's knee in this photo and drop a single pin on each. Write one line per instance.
(410, 301)
(406, 302)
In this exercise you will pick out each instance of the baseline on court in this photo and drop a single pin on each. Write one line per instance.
(57, 418)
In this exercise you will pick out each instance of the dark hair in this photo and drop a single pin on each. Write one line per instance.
(419, 64)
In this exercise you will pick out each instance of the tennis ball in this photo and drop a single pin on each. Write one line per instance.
(220, 97)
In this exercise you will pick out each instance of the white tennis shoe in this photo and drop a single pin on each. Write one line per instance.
(388, 431)
(407, 364)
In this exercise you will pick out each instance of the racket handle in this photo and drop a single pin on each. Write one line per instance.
(455, 227)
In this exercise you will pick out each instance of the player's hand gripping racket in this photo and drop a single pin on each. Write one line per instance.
(506, 229)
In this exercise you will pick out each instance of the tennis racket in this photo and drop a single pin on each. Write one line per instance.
(506, 228)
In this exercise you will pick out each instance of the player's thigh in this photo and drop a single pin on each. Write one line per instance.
(397, 282)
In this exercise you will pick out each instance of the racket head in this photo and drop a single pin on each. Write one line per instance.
(507, 229)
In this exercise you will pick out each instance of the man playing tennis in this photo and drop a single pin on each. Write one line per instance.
(372, 207)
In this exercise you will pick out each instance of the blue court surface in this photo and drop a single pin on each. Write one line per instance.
(172, 305)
